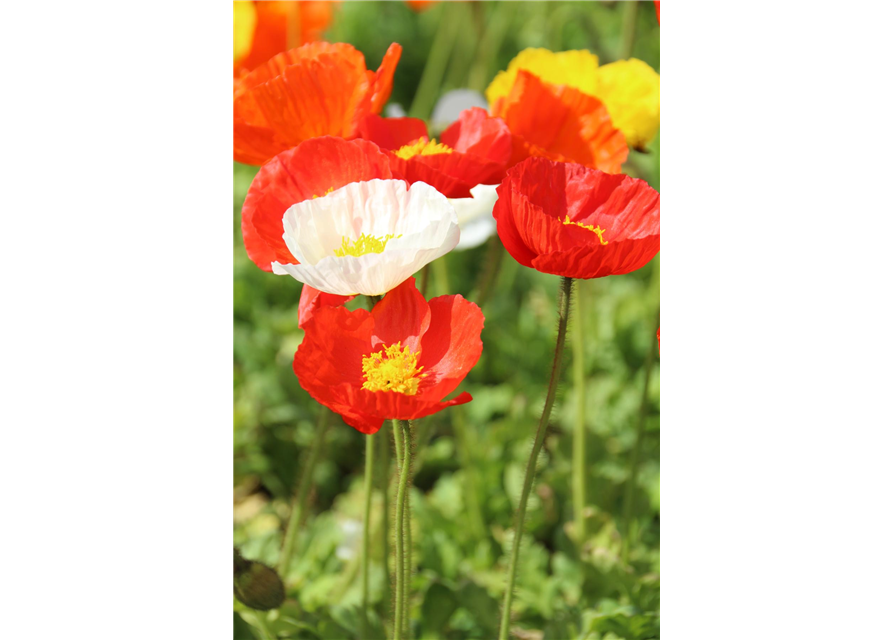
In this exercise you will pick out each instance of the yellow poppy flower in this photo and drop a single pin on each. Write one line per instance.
(629, 89)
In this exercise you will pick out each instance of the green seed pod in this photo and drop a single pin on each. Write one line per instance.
(256, 585)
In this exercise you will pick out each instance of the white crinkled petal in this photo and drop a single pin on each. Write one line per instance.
(423, 221)
(476, 216)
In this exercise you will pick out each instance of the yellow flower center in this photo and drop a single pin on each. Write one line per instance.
(393, 369)
(596, 230)
(363, 245)
(422, 148)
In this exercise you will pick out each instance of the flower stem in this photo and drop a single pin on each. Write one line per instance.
(628, 26)
(385, 476)
(367, 509)
(579, 445)
(302, 493)
(400, 600)
(564, 299)
(409, 428)
(435, 66)
(490, 271)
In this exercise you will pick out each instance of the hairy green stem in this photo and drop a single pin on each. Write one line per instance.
(407, 524)
(302, 493)
(578, 483)
(367, 510)
(400, 600)
(435, 66)
(441, 276)
(385, 476)
(564, 300)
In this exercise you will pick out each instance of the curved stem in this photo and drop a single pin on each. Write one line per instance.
(302, 493)
(435, 66)
(490, 271)
(579, 451)
(367, 510)
(399, 533)
(564, 299)
(407, 523)
(628, 26)
(261, 617)
(385, 476)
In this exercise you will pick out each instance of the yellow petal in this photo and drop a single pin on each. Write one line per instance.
(573, 68)
(244, 21)
(630, 90)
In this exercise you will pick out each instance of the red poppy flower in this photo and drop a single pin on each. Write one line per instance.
(399, 361)
(473, 150)
(315, 90)
(657, 8)
(312, 300)
(570, 220)
(275, 23)
(311, 169)
(560, 123)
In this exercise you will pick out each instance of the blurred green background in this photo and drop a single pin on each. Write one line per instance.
(469, 460)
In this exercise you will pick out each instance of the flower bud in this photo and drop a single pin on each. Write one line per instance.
(255, 584)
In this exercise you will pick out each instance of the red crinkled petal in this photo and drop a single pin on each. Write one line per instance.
(391, 133)
(506, 229)
(451, 346)
(538, 195)
(328, 362)
(475, 132)
(453, 174)
(560, 123)
(314, 299)
(315, 90)
(401, 316)
(310, 169)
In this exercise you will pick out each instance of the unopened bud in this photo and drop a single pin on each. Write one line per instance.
(255, 584)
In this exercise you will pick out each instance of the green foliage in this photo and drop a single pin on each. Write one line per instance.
(469, 460)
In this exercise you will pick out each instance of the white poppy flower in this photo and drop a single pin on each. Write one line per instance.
(367, 237)
(476, 216)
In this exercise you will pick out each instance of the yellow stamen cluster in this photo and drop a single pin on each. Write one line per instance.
(393, 369)
(596, 230)
(363, 245)
(331, 189)
(422, 148)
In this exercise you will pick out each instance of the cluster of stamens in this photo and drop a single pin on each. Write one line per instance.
(421, 147)
(363, 245)
(393, 369)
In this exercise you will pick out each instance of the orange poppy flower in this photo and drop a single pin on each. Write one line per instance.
(274, 27)
(560, 123)
(473, 150)
(318, 89)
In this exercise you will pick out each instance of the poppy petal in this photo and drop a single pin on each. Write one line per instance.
(401, 316)
(313, 168)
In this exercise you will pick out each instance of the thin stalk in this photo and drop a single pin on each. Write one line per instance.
(632, 475)
(435, 66)
(302, 493)
(578, 345)
(426, 271)
(441, 276)
(490, 272)
(261, 618)
(628, 26)
(498, 24)
(385, 476)
(407, 525)
(401, 510)
(367, 535)
(564, 301)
